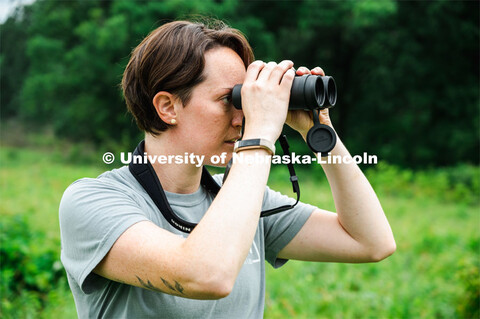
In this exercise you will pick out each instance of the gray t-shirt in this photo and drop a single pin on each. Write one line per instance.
(94, 212)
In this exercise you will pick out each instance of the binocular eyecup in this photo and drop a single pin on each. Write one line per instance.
(309, 92)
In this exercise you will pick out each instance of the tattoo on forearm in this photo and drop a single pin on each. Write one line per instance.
(178, 288)
(166, 283)
(148, 284)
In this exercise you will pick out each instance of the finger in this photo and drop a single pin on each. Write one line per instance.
(253, 70)
(303, 70)
(287, 80)
(318, 71)
(278, 72)
(266, 71)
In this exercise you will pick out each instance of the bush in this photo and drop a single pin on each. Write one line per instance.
(30, 269)
(458, 184)
(469, 276)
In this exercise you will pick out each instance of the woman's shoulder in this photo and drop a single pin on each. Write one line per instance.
(113, 181)
(110, 189)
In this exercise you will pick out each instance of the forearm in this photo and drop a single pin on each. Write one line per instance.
(225, 234)
(358, 208)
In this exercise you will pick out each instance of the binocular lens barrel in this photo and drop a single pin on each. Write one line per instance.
(309, 92)
(329, 83)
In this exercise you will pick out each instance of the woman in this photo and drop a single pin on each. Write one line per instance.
(124, 259)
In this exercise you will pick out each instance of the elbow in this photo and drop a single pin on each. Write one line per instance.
(207, 278)
(219, 289)
(384, 251)
(214, 284)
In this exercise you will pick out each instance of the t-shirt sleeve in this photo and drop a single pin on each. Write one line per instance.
(93, 214)
(281, 228)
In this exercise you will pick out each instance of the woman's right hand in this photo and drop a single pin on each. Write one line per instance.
(265, 98)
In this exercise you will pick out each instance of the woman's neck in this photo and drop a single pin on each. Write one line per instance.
(174, 177)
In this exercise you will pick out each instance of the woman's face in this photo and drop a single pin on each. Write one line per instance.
(209, 124)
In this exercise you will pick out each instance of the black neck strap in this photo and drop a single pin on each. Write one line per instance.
(146, 176)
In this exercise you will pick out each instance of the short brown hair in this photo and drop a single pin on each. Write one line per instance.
(172, 58)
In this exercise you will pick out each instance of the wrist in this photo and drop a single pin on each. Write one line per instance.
(257, 143)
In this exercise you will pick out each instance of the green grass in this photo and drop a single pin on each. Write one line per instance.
(434, 272)
(437, 243)
(421, 280)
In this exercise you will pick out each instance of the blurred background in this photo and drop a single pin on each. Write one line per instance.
(407, 74)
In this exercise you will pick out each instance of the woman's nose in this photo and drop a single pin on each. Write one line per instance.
(237, 118)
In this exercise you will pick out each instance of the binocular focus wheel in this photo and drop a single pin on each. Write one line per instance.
(321, 138)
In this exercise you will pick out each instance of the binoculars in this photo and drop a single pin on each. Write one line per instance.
(309, 92)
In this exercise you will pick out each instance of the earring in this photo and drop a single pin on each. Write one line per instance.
(173, 121)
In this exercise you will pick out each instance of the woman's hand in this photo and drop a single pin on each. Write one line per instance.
(301, 120)
(265, 97)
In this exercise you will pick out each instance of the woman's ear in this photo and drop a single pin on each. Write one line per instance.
(164, 103)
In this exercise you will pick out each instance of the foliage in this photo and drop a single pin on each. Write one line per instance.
(459, 184)
(13, 63)
(420, 67)
(33, 281)
(455, 185)
(407, 72)
(433, 274)
(30, 269)
(469, 276)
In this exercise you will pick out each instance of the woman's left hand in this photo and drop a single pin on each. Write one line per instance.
(301, 120)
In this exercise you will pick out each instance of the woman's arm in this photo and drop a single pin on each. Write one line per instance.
(206, 263)
(359, 232)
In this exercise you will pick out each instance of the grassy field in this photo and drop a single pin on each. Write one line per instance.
(433, 274)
